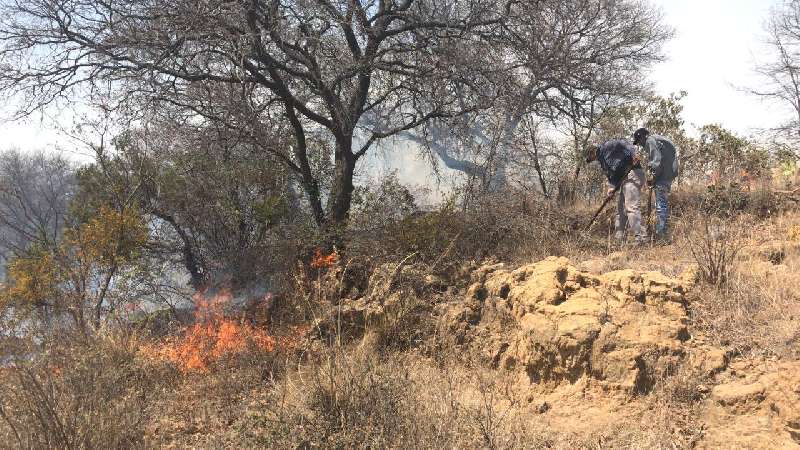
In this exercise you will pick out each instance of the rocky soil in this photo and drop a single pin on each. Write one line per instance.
(587, 348)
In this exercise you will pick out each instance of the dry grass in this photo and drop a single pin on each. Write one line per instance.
(357, 400)
(754, 315)
(348, 399)
(755, 311)
(80, 395)
(392, 382)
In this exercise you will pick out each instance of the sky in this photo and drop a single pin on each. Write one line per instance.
(712, 55)
(716, 46)
(30, 134)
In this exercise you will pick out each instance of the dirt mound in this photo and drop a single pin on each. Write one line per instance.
(582, 348)
(559, 324)
(592, 344)
(758, 405)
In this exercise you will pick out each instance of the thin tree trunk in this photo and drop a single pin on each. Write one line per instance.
(98, 307)
(307, 179)
(191, 258)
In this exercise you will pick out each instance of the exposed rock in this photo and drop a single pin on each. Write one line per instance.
(759, 411)
(739, 398)
(690, 276)
(708, 360)
(622, 328)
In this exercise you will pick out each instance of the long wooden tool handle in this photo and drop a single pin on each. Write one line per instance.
(608, 198)
(602, 207)
(650, 210)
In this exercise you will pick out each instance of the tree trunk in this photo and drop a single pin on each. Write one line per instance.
(311, 186)
(342, 189)
(538, 168)
(307, 179)
(191, 256)
(101, 296)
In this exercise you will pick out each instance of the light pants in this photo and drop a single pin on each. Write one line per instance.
(629, 211)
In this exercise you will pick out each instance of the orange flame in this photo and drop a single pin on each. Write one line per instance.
(321, 261)
(214, 336)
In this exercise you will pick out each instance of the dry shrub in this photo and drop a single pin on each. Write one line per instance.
(727, 201)
(359, 400)
(747, 297)
(507, 226)
(405, 324)
(515, 226)
(337, 403)
(755, 312)
(714, 244)
(80, 396)
(388, 222)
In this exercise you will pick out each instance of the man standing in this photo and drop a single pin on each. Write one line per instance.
(662, 167)
(620, 163)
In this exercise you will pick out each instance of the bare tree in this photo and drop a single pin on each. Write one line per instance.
(35, 191)
(781, 72)
(316, 65)
(569, 60)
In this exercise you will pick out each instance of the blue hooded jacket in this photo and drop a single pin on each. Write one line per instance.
(616, 159)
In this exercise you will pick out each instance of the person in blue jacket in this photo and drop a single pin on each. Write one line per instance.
(620, 163)
(662, 168)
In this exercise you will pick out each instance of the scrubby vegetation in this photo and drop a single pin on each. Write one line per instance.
(230, 270)
(379, 348)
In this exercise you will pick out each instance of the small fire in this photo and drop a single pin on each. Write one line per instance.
(214, 336)
(321, 261)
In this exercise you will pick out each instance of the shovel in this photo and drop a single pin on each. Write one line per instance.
(608, 199)
(650, 211)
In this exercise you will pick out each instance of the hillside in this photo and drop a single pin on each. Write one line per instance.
(632, 348)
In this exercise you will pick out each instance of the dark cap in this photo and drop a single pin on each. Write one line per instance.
(640, 136)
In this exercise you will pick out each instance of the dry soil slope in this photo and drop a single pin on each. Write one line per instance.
(615, 336)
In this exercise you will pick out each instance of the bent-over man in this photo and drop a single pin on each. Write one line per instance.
(620, 163)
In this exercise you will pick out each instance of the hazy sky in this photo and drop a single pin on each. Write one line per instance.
(716, 44)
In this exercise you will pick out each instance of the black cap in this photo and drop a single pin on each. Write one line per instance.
(640, 135)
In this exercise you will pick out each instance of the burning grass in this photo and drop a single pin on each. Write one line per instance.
(322, 261)
(214, 336)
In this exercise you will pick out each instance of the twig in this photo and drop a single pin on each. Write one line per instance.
(396, 270)
(10, 424)
(446, 251)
